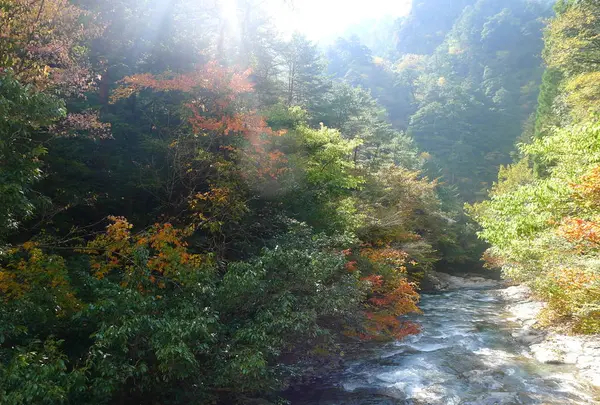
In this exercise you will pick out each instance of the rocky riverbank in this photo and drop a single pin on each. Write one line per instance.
(468, 352)
(546, 345)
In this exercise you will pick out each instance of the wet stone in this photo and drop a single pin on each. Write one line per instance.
(470, 351)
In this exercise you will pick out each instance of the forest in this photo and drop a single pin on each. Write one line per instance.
(198, 209)
(541, 217)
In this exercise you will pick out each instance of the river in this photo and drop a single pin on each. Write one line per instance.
(465, 355)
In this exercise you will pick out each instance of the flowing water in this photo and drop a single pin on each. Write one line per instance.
(465, 355)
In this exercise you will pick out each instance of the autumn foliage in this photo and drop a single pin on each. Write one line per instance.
(585, 233)
(587, 190)
(41, 44)
(582, 232)
(390, 295)
(30, 271)
(39, 40)
(213, 91)
(177, 230)
(212, 109)
(156, 256)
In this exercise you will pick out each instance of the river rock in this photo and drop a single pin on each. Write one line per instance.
(489, 379)
(516, 293)
(525, 312)
(550, 353)
(582, 351)
(437, 281)
(547, 346)
(589, 361)
(495, 398)
(256, 401)
(529, 336)
(523, 309)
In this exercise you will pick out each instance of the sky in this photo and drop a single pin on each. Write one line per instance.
(320, 20)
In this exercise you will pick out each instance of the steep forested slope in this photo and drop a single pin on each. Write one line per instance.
(462, 82)
(542, 214)
(426, 27)
(478, 91)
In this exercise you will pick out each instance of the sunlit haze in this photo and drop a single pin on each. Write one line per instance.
(322, 19)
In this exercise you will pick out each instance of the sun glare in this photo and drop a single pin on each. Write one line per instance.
(322, 19)
(229, 12)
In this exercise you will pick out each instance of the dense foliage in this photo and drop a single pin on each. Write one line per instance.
(191, 215)
(195, 209)
(542, 215)
(462, 82)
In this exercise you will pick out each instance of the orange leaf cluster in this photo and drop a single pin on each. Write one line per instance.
(384, 309)
(157, 255)
(583, 232)
(587, 191)
(40, 41)
(29, 270)
(266, 165)
(384, 327)
(389, 297)
(215, 206)
(210, 76)
(492, 261)
(375, 280)
(213, 90)
(386, 256)
(575, 280)
(249, 125)
(402, 297)
(351, 266)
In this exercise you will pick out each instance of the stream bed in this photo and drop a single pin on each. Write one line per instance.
(464, 355)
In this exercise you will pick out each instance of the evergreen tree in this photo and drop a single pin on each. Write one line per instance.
(304, 72)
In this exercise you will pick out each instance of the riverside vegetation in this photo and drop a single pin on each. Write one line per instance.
(542, 215)
(195, 209)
